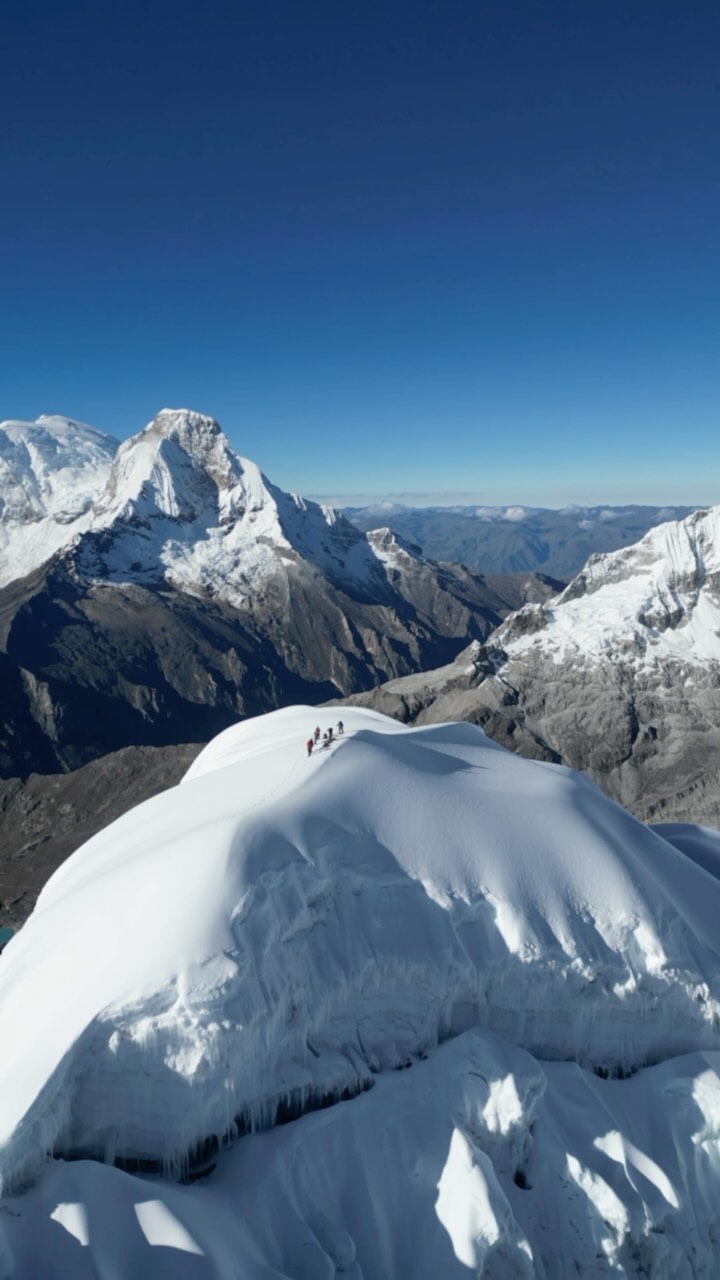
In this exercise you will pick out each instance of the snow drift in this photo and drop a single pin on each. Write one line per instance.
(272, 934)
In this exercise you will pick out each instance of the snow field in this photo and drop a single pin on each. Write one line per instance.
(51, 472)
(277, 931)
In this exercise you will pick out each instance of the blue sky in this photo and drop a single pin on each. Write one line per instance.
(392, 247)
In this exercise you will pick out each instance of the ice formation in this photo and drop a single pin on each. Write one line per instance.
(279, 933)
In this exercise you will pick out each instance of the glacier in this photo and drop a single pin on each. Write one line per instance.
(428, 1008)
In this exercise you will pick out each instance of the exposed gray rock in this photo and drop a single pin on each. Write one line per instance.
(88, 668)
(43, 819)
(650, 740)
(619, 676)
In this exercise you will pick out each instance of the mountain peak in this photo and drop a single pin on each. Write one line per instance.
(177, 467)
(200, 437)
(392, 548)
(190, 428)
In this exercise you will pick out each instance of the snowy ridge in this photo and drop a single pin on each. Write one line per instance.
(51, 473)
(172, 503)
(332, 918)
(392, 550)
(181, 505)
(657, 599)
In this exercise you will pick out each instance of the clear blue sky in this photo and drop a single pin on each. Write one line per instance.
(425, 246)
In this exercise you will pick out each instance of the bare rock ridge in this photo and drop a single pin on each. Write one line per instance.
(618, 675)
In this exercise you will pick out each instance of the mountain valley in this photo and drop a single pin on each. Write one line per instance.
(518, 539)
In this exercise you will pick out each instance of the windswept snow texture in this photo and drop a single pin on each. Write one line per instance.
(479, 1162)
(275, 931)
(51, 473)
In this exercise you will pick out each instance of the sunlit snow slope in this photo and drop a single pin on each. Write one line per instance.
(618, 676)
(51, 472)
(181, 504)
(278, 929)
(656, 600)
(173, 502)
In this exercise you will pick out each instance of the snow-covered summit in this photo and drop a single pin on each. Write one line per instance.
(174, 502)
(51, 467)
(658, 599)
(180, 504)
(51, 473)
(277, 930)
(181, 465)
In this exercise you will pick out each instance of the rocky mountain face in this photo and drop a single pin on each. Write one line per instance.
(183, 590)
(619, 676)
(518, 539)
(45, 817)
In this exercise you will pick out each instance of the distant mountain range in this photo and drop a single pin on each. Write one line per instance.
(619, 675)
(517, 539)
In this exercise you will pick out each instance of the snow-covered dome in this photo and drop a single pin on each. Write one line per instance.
(278, 929)
(281, 932)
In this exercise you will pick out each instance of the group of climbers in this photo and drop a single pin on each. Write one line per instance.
(327, 737)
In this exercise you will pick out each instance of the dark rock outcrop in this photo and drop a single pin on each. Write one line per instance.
(44, 818)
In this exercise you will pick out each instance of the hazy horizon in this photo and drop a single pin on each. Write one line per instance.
(447, 501)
